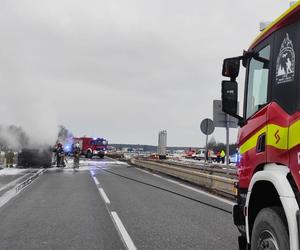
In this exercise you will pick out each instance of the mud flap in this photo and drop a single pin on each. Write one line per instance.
(238, 216)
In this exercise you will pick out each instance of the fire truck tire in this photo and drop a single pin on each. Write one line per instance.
(270, 230)
(89, 154)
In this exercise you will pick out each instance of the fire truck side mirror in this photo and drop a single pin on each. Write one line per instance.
(230, 97)
(231, 67)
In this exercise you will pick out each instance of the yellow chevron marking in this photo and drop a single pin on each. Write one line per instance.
(276, 136)
(251, 142)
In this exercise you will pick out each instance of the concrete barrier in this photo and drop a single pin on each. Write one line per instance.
(213, 169)
(222, 185)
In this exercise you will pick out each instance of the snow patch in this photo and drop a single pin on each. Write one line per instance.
(12, 171)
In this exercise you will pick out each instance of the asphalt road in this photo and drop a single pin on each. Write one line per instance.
(111, 205)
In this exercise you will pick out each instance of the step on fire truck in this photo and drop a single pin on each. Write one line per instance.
(268, 190)
(92, 146)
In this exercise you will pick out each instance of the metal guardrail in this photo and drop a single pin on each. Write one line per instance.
(209, 168)
(221, 185)
(29, 180)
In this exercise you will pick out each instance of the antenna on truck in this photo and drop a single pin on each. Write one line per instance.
(263, 25)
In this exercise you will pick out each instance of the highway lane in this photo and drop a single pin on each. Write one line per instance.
(60, 210)
(111, 205)
(158, 219)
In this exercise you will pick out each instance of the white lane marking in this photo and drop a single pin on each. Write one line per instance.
(116, 219)
(104, 162)
(122, 230)
(11, 193)
(12, 183)
(207, 194)
(104, 196)
(101, 190)
(96, 180)
(190, 188)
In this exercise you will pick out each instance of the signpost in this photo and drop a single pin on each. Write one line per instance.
(207, 127)
(221, 119)
(224, 121)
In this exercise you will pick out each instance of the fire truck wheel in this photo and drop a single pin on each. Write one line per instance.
(270, 230)
(88, 154)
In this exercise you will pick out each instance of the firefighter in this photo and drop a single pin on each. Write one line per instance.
(76, 152)
(54, 154)
(9, 156)
(222, 154)
(209, 156)
(60, 156)
(218, 157)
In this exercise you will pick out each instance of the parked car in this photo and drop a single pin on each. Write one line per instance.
(200, 155)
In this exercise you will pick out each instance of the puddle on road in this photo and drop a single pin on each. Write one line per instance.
(86, 165)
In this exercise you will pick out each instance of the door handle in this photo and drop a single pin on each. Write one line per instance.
(261, 143)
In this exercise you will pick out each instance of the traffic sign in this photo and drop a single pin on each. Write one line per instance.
(207, 126)
(220, 118)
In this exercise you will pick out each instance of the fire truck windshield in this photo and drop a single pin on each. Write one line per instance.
(257, 83)
(98, 142)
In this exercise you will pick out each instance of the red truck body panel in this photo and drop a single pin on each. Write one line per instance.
(279, 147)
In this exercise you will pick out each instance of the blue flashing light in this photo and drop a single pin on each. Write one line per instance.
(67, 148)
(237, 157)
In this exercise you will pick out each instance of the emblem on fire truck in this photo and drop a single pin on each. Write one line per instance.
(285, 64)
(277, 137)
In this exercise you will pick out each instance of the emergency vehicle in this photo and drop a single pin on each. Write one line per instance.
(268, 197)
(190, 153)
(92, 146)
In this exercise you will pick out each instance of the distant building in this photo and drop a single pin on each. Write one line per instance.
(162, 144)
(124, 150)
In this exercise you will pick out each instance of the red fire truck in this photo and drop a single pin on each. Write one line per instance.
(268, 197)
(92, 146)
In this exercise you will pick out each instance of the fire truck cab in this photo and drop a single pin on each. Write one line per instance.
(268, 197)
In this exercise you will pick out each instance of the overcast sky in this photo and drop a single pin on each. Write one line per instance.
(121, 69)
